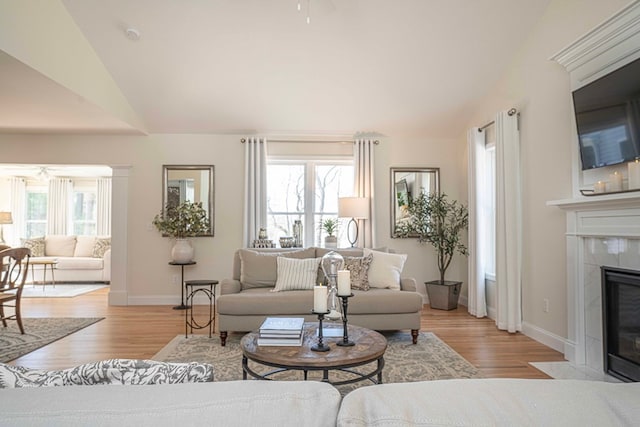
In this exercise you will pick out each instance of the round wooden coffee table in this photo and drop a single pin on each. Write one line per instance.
(369, 347)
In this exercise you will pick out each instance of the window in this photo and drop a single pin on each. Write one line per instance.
(36, 211)
(85, 212)
(489, 212)
(306, 190)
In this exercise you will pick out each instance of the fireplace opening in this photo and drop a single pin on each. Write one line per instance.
(621, 323)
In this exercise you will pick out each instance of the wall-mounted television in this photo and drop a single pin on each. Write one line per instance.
(608, 118)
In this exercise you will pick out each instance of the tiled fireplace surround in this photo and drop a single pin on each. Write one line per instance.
(601, 231)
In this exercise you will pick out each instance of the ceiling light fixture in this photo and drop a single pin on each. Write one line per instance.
(132, 34)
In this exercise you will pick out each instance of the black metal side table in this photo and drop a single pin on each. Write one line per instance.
(182, 305)
(207, 288)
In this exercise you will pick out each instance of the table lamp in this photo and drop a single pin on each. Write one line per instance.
(354, 208)
(5, 218)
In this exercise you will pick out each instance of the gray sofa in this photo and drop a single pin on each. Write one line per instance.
(247, 298)
(476, 402)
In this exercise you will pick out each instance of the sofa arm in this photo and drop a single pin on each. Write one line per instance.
(408, 284)
(230, 286)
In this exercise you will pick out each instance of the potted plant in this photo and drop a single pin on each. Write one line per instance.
(330, 225)
(179, 222)
(436, 220)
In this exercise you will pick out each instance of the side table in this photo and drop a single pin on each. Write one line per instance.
(44, 263)
(182, 305)
(207, 288)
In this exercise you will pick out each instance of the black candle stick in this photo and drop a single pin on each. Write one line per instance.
(345, 334)
(320, 346)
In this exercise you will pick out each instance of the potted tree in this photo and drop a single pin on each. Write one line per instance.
(436, 220)
(179, 222)
(330, 225)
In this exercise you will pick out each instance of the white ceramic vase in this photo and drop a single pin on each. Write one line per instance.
(182, 251)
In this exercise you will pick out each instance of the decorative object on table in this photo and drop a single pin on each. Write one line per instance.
(320, 346)
(287, 242)
(615, 182)
(330, 225)
(262, 234)
(634, 174)
(263, 243)
(179, 222)
(600, 187)
(345, 330)
(439, 221)
(5, 218)
(281, 331)
(331, 263)
(297, 233)
(354, 208)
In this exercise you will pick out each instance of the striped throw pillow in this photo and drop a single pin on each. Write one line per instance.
(296, 274)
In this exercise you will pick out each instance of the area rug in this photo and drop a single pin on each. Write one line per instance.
(38, 332)
(59, 291)
(430, 359)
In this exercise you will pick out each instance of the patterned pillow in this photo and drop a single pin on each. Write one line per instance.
(296, 274)
(102, 245)
(359, 271)
(112, 371)
(36, 245)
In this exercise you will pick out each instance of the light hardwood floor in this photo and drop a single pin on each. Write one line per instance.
(141, 331)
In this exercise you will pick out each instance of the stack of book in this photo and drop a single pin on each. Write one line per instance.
(283, 331)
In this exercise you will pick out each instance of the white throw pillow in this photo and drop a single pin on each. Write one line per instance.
(385, 269)
(296, 274)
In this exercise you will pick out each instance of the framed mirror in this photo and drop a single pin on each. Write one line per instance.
(406, 183)
(194, 183)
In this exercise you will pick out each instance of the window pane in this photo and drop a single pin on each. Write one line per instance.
(332, 181)
(36, 229)
(84, 206)
(281, 226)
(285, 188)
(36, 206)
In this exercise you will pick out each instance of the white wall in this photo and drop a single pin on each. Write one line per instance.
(539, 89)
(150, 278)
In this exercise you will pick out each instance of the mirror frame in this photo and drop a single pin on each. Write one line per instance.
(392, 189)
(211, 181)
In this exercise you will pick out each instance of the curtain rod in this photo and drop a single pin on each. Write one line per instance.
(298, 141)
(511, 112)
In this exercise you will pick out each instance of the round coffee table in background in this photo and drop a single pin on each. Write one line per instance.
(369, 347)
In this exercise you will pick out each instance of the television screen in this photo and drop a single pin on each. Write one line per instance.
(608, 118)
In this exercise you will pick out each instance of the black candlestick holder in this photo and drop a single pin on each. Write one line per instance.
(345, 333)
(320, 346)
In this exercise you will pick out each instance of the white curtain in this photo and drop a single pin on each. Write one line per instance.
(104, 207)
(477, 304)
(363, 154)
(18, 201)
(58, 205)
(508, 223)
(255, 188)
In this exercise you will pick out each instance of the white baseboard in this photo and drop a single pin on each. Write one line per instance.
(545, 337)
(164, 300)
(117, 298)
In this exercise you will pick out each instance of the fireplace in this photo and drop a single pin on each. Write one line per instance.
(621, 322)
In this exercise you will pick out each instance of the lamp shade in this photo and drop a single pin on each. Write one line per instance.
(5, 218)
(353, 207)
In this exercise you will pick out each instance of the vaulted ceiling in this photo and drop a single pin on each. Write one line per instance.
(243, 66)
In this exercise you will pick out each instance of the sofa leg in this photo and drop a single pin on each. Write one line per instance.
(223, 338)
(414, 335)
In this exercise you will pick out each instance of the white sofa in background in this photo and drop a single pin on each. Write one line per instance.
(79, 258)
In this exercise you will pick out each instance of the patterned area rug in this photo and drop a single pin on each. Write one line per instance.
(59, 291)
(38, 332)
(430, 359)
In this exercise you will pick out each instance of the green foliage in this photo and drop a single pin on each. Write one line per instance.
(185, 220)
(439, 221)
(330, 225)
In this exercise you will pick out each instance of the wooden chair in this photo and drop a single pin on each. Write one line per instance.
(14, 264)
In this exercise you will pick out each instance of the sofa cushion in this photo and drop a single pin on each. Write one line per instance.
(58, 245)
(36, 245)
(79, 263)
(358, 271)
(385, 269)
(84, 245)
(103, 244)
(259, 269)
(295, 274)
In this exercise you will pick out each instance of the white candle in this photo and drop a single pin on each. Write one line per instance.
(634, 174)
(599, 187)
(615, 181)
(320, 299)
(344, 282)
